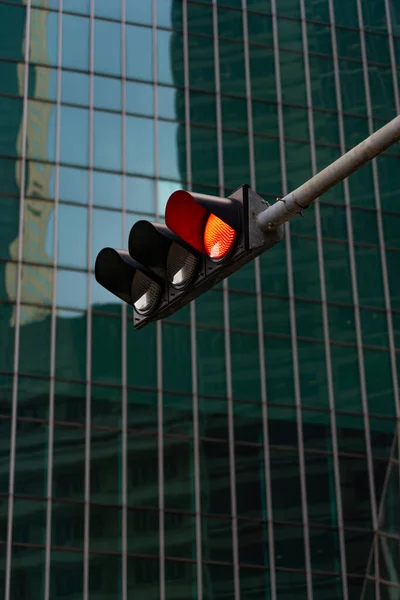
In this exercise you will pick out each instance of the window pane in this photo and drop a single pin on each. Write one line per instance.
(140, 145)
(74, 126)
(107, 141)
(139, 54)
(76, 55)
(107, 47)
(107, 92)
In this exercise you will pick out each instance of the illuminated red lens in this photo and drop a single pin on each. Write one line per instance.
(218, 237)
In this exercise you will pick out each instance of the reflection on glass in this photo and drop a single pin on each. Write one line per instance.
(140, 195)
(73, 185)
(140, 145)
(107, 92)
(75, 46)
(107, 141)
(139, 52)
(72, 236)
(107, 47)
(78, 6)
(41, 131)
(164, 191)
(71, 289)
(105, 8)
(75, 88)
(171, 138)
(74, 139)
(166, 102)
(164, 56)
(107, 189)
(139, 12)
(139, 98)
(107, 230)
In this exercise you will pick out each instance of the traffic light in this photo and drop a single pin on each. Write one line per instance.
(204, 240)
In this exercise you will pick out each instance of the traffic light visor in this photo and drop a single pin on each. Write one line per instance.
(208, 224)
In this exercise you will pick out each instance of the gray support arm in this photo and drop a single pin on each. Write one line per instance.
(294, 203)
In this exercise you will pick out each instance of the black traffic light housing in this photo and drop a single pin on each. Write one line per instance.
(151, 246)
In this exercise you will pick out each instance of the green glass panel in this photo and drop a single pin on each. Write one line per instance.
(324, 545)
(298, 158)
(142, 356)
(217, 539)
(8, 77)
(305, 226)
(70, 402)
(67, 527)
(362, 188)
(337, 273)
(355, 129)
(105, 575)
(333, 222)
(276, 315)
(177, 358)
(66, 580)
(319, 36)
(200, 19)
(374, 15)
(69, 463)
(383, 432)
(142, 410)
(234, 113)
(180, 535)
(290, 34)
(12, 28)
(305, 268)
(248, 422)
(180, 580)
(350, 433)
(243, 311)
(259, 5)
(142, 457)
(252, 541)
(374, 328)
(7, 335)
(236, 159)
(369, 276)
(204, 164)
(231, 67)
(321, 498)
(286, 497)
(325, 156)
(105, 528)
(10, 110)
(296, 122)
(210, 309)
(326, 128)
(365, 226)
(27, 571)
(352, 87)
(143, 577)
(273, 270)
(259, 27)
(215, 477)
(106, 406)
(71, 346)
(289, 548)
(29, 526)
(379, 382)
(219, 581)
(267, 165)
(377, 48)
(292, 77)
(230, 24)
(105, 467)
(328, 586)
(243, 279)
(178, 474)
(262, 73)
(391, 228)
(254, 583)
(341, 324)
(279, 370)
(201, 63)
(143, 531)
(389, 181)
(250, 488)
(356, 499)
(265, 118)
(382, 96)
(346, 378)
(309, 320)
(37, 333)
(31, 458)
(316, 429)
(106, 360)
(313, 382)
(245, 366)
(177, 414)
(211, 362)
(203, 108)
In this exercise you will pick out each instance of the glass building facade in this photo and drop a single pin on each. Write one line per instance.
(246, 447)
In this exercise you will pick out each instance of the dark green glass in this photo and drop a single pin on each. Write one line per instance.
(279, 370)
(142, 485)
(313, 380)
(286, 498)
(211, 367)
(289, 547)
(67, 528)
(179, 482)
(346, 378)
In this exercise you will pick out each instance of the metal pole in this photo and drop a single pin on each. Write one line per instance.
(295, 202)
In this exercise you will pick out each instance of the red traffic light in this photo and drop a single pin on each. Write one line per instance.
(209, 224)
